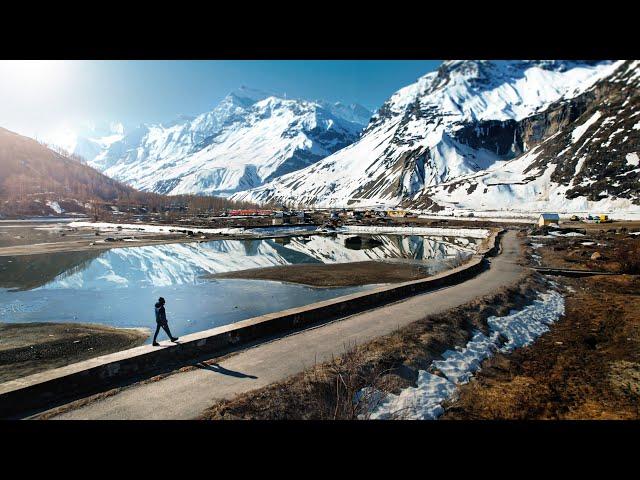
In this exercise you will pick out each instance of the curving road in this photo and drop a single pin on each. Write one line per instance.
(185, 395)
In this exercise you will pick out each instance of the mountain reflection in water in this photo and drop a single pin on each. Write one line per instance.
(119, 287)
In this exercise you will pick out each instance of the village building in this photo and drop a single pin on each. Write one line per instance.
(548, 219)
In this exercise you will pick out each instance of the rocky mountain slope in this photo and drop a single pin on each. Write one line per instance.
(580, 154)
(519, 135)
(250, 138)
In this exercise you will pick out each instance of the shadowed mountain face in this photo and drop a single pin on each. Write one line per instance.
(30, 171)
(488, 134)
(36, 180)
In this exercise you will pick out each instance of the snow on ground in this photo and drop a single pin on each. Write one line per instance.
(424, 401)
(568, 234)
(580, 130)
(55, 206)
(487, 217)
(438, 231)
(633, 159)
(178, 229)
(286, 230)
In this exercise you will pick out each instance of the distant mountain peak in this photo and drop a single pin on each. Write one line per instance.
(250, 137)
(252, 94)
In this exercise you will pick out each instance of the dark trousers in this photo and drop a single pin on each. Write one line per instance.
(165, 327)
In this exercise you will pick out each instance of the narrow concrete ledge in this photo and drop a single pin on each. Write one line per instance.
(98, 374)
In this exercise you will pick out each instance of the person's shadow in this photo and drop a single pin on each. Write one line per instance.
(214, 367)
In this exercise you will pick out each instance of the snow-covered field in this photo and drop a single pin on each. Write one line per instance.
(428, 231)
(287, 230)
(424, 401)
(167, 229)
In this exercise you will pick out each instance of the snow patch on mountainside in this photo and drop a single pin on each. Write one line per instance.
(55, 206)
(579, 131)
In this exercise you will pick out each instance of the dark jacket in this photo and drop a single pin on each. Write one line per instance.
(161, 316)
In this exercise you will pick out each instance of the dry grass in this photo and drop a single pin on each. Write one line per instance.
(619, 253)
(326, 391)
(627, 255)
(586, 367)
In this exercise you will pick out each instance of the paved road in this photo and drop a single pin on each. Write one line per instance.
(186, 395)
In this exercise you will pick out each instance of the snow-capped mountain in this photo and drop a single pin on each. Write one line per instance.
(433, 140)
(88, 142)
(249, 138)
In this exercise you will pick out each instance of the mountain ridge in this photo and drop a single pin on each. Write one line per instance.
(451, 123)
(190, 155)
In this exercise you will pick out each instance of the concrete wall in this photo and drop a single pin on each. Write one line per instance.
(98, 374)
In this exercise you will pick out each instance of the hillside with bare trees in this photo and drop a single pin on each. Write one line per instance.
(36, 180)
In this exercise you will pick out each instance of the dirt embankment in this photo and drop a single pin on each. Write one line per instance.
(28, 348)
(586, 367)
(334, 275)
(607, 252)
(90, 244)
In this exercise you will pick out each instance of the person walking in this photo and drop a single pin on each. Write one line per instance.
(161, 320)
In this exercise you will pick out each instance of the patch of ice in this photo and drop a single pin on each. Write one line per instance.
(568, 234)
(428, 231)
(178, 229)
(458, 366)
(420, 403)
(522, 327)
(55, 206)
(424, 401)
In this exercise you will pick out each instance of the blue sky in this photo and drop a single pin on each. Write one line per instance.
(40, 98)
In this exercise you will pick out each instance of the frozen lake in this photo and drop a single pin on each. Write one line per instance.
(119, 287)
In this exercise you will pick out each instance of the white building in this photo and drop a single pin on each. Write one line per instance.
(548, 219)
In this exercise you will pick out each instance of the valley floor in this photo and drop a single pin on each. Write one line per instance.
(586, 367)
(190, 390)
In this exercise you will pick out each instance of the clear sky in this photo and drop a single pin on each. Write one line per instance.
(40, 98)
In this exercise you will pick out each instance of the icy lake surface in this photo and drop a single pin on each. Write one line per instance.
(119, 287)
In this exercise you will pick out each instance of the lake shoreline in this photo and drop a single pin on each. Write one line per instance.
(29, 348)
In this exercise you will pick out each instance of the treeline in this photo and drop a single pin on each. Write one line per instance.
(193, 203)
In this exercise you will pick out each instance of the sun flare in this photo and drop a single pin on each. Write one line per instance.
(33, 76)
